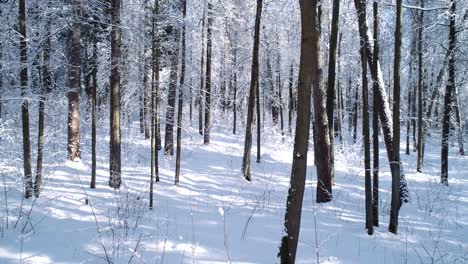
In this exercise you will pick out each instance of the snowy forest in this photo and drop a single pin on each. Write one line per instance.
(233, 131)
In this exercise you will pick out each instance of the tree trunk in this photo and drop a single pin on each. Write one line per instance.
(365, 133)
(154, 103)
(375, 120)
(94, 113)
(395, 165)
(259, 134)
(448, 96)
(309, 67)
(458, 122)
(253, 94)
(280, 94)
(206, 130)
(339, 96)
(436, 88)
(384, 110)
(28, 185)
(146, 87)
(74, 75)
(202, 80)
(170, 108)
(291, 99)
(115, 150)
(420, 91)
(155, 82)
(234, 108)
(181, 96)
(355, 113)
(333, 42)
(46, 86)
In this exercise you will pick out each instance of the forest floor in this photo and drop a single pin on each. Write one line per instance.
(215, 216)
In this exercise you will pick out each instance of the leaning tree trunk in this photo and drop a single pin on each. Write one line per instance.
(448, 96)
(181, 96)
(381, 96)
(28, 184)
(74, 87)
(206, 129)
(308, 76)
(115, 151)
(252, 96)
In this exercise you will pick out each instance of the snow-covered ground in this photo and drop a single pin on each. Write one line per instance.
(215, 216)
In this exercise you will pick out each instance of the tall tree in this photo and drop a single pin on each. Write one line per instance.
(365, 132)
(46, 85)
(385, 115)
(375, 120)
(234, 83)
(291, 99)
(252, 109)
(154, 101)
(94, 83)
(171, 98)
(420, 90)
(115, 150)
(202, 78)
(333, 42)
(449, 90)
(322, 141)
(28, 184)
(206, 130)
(181, 95)
(309, 67)
(74, 84)
(395, 165)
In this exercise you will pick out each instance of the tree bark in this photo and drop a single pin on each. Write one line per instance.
(28, 185)
(74, 75)
(170, 108)
(291, 99)
(234, 108)
(94, 113)
(202, 80)
(375, 120)
(420, 91)
(365, 132)
(253, 94)
(181, 96)
(115, 136)
(333, 43)
(448, 96)
(206, 129)
(309, 67)
(395, 164)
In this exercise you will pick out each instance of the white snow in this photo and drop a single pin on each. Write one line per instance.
(215, 216)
